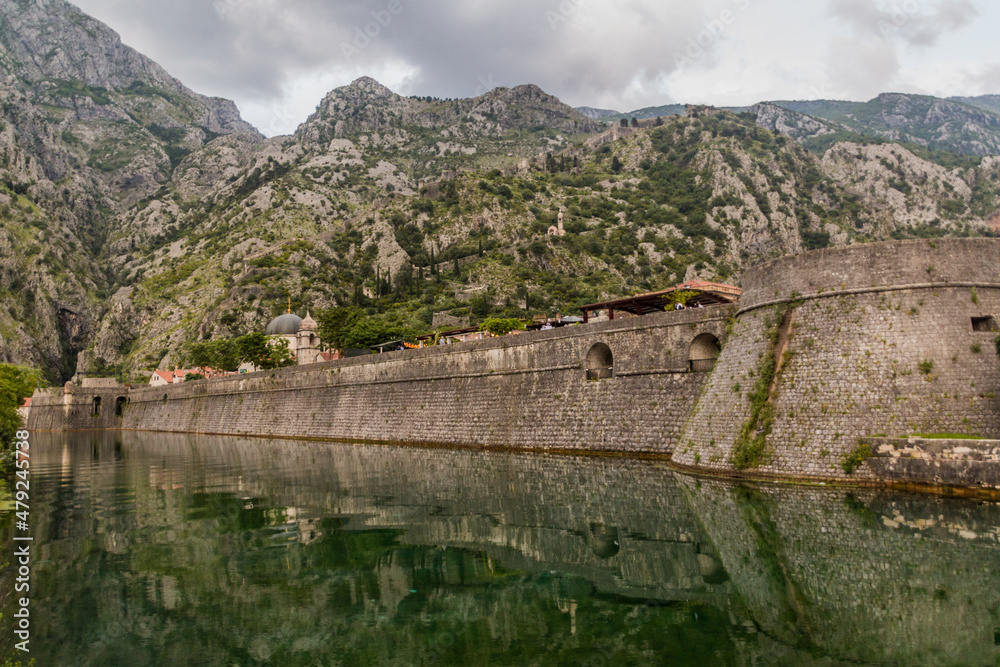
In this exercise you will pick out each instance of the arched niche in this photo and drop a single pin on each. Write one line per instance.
(600, 362)
(704, 350)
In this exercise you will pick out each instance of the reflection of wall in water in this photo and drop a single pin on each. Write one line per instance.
(623, 524)
(864, 576)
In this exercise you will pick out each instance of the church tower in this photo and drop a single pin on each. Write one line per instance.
(307, 345)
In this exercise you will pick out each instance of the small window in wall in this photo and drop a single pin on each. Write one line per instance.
(600, 362)
(120, 406)
(984, 324)
(97, 406)
(704, 350)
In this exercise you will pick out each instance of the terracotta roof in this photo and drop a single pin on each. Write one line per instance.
(166, 375)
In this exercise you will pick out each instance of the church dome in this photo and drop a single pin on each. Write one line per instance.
(283, 325)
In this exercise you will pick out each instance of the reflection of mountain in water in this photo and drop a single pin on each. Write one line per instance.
(273, 552)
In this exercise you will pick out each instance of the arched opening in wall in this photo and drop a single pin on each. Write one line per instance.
(600, 362)
(705, 349)
(164, 398)
(120, 406)
(97, 406)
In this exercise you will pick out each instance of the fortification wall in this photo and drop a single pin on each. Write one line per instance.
(525, 391)
(868, 340)
(82, 409)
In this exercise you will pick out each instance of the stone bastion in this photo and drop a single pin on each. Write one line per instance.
(832, 355)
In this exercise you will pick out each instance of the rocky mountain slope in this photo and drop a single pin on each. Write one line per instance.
(962, 125)
(930, 122)
(139, 216)
(88, 126)
(359, 208)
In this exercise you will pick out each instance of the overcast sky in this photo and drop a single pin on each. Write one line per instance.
(278, 58)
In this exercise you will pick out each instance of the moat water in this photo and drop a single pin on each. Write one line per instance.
(155, 549)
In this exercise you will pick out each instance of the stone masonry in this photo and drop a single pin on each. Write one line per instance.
(872, 340)
(528, 391)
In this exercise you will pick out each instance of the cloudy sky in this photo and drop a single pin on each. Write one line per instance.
(277, 58)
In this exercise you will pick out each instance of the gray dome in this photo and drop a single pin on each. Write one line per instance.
(284, 324)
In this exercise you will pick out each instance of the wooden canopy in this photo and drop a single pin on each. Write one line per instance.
(706, 294)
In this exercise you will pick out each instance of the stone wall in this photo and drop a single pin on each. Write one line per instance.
(528, 391)
(78, 409)
(873, 340)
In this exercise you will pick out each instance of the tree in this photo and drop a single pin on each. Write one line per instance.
(635, 123)
(228, 354)
(190, 377)
(659, 121)
(16, 384)
(616, 164)
(624, 122)
(335, 325)
(501, 326)
(222, 354)
(264, 353)
(681, 297)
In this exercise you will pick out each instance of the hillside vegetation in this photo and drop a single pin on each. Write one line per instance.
(140, 217)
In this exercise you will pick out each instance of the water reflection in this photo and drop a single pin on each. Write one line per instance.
(165, 549)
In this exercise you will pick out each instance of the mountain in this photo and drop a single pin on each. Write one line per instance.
(959, 125)
(611, 117)
(88, 127)
(597, 114)
(138, 216)
(367, 204)
(930, 122)
(989, 103)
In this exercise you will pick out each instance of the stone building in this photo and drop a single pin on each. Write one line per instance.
(300, 334)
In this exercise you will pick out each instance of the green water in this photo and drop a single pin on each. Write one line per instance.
(175, 550)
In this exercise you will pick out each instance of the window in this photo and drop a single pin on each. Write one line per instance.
(984, 324)
(704, 350)
(120, 406)
(97, 406)
(600, 362)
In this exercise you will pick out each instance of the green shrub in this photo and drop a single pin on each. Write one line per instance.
(501, 326)
(926, 367)
(856, 457)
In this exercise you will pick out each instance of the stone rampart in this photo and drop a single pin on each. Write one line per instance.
(78, 409)
(529, 391)
(887, 339)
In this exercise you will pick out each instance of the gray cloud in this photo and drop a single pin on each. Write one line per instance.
(867, 62)
(278, 57)
(575, 48)
(914, 22)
